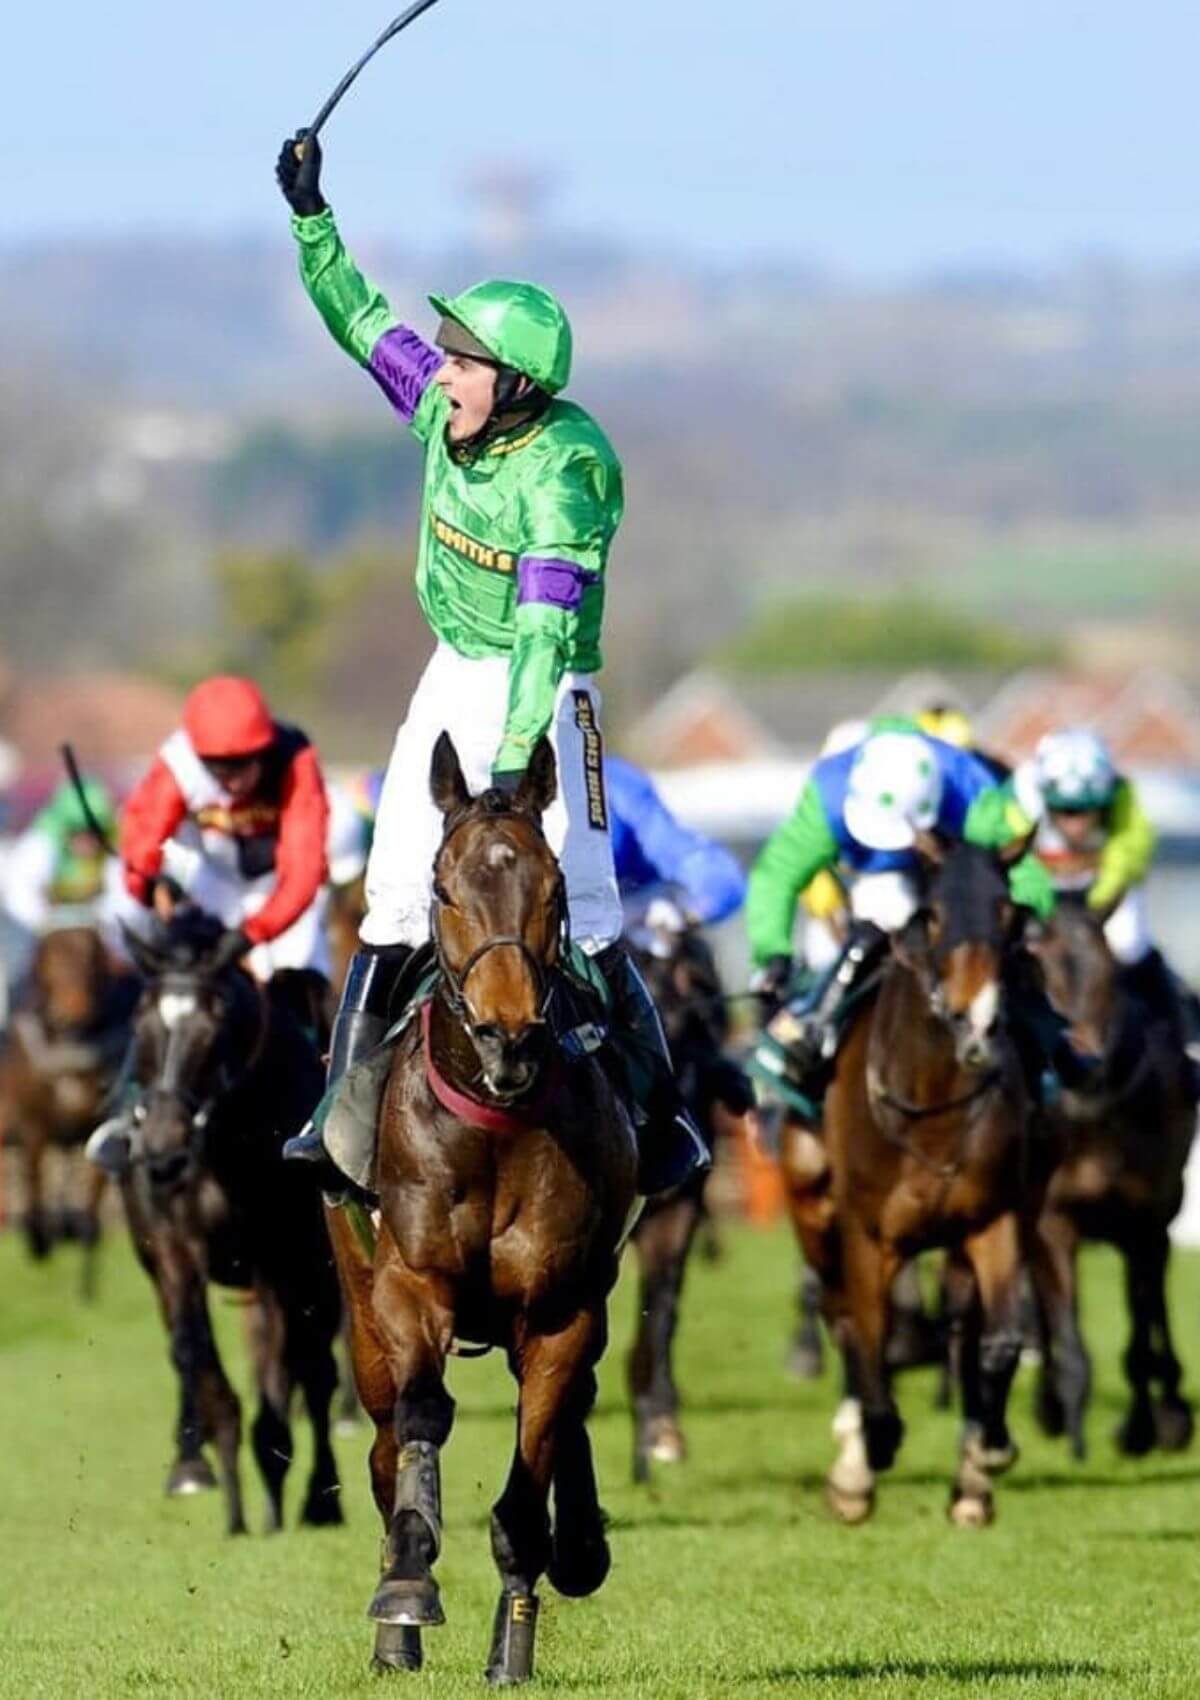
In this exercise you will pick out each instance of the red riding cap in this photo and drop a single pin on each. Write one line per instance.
(228, 717)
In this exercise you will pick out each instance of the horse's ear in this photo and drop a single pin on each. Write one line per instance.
(930, 848)
(1012, 853)
(539, 783)
(147, 959)
(447, 786)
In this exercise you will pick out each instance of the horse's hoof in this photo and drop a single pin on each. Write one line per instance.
(188, 1476)
(849, 1508)
(397, 1647)
(1137, 1434)
(323, 1510)
(972, 1511)
(664, 1441)
(580, 1565)
(1173, 1425)
(408, 1602)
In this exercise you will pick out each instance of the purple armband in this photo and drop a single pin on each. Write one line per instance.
(559, 583)
(402, 364)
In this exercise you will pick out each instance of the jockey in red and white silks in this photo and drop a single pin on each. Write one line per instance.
(234, 811)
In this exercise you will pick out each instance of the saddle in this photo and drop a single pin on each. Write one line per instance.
(348, 1115)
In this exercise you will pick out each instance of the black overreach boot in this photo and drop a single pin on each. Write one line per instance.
(671, 1149)
(361, 1022)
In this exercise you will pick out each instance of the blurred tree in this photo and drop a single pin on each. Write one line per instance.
(813, 633)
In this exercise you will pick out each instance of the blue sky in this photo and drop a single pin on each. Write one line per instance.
(878, 137)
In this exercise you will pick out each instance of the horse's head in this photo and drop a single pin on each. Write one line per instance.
(184, 1040)
(957, 942)
(1079, 970)
(69, 973)
(499, 913)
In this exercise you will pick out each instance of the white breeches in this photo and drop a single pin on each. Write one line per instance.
(469, 700)
(888, 899)
(1127, 929)
(233, 901)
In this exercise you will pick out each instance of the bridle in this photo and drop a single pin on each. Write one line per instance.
(454, 982)
(198, 1109)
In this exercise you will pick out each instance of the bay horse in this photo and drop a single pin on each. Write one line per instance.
(1125, 1135)
(225, 1075)
(505, 1175)
(683, 978)
(923, 1145)
(57, 1062)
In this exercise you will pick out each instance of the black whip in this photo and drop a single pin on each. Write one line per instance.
(394, 28)
(89, 815)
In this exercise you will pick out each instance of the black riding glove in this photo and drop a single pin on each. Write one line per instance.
(230, 949)
(508, 782)
(298, 173)
(772, 980)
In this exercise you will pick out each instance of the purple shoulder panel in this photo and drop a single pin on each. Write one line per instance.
(560, 583)
(402, 363)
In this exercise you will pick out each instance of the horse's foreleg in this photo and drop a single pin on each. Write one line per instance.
(38, 1236)
(990, 1358)
(549, 1368)
(209, 1408)
(580, 1560)
(415, 1322)
(271, 1431)
(662, 1241)
(1065, 1376)
(312, 1329)
(1173, 1422)
(867, 1425)
(806, 1355)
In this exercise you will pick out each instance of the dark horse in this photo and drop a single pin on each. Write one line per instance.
(686, 986)
(505, 1177)
(1125, 1137)
(225, 1075)
(55, 1069)
(924, 1136)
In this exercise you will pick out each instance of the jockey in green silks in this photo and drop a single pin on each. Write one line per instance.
(59, 861)
(523, 494)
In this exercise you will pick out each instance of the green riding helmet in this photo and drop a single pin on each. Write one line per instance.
(65, 816)
(517, 324)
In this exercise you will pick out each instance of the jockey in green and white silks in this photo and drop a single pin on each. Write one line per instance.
(523, 494)
(1093, 838)
(861, 813)
(59, 863)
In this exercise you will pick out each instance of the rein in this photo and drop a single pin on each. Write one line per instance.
(947, 1171)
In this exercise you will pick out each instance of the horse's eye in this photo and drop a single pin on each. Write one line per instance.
(442, 895)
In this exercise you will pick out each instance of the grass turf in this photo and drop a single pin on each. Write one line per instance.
(729, 1578)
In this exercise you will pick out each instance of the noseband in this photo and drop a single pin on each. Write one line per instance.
(455, 983)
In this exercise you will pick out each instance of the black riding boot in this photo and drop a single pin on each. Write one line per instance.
(821, 1015)
(671, 1149)
(361, 1022)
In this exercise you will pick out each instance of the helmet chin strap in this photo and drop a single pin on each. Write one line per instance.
(510, 407)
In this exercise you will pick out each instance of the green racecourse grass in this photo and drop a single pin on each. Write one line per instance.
(729, 1578)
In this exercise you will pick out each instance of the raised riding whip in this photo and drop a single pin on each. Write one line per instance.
(393, 29)
(76, 778)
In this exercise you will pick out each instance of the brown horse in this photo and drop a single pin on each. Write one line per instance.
(505, 1176)
(55, 1069)
(686, 987)
(225, 1075)
(1125, 1137)
(924, 1135)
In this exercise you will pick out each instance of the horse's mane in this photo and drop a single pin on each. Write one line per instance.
(189, 937)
